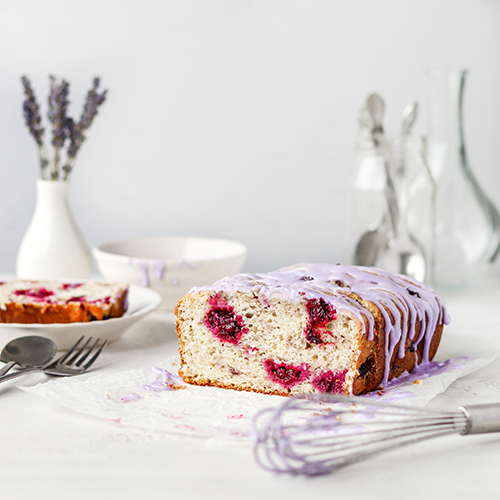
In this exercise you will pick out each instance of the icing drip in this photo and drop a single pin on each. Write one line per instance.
(160, 268)
(397, 296)
(142, 264)
(159, 265)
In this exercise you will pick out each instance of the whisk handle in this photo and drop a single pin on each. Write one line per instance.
(482, 418)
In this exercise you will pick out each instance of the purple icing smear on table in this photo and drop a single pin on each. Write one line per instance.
(397, 296)
(163, 381)
(131, 397)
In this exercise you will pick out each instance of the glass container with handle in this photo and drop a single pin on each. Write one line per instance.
(466, 223)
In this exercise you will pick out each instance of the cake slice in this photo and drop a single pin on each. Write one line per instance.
(25, 301)
(308, 328)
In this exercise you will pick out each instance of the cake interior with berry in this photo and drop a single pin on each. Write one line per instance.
(309, 328)
(45, 301)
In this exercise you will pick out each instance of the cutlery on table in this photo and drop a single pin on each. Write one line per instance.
(30, 351)
(74, 362)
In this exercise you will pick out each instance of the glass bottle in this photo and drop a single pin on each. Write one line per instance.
(466, 224)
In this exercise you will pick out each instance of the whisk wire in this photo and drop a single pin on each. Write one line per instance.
(316, 435)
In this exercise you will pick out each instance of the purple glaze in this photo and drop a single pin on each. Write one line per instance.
(142, 264)
(160, 268)
(131, 397)
(164, 381)
(406, 300)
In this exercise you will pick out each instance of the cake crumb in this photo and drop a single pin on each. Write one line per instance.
(418, 381)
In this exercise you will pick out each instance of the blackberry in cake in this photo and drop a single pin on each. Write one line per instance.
(25, 301)
(308, 328)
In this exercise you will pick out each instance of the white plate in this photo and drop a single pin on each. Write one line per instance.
(141, 301)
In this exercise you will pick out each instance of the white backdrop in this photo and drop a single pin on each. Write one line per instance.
(233, 118)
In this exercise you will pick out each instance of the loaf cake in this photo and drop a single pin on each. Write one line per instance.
(308, 328)
(25, 301)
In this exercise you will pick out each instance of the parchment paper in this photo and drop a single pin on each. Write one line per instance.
(157, 399)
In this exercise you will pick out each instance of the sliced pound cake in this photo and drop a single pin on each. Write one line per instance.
(25, 301)
(308, 328)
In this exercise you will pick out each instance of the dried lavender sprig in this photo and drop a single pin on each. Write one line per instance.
(76, 140)
(63, 127)
(58, 105)
(31, 111)
(33, 120)
(92, 103)
(77, 137)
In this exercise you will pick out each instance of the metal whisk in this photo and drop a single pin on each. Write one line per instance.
(317, 434)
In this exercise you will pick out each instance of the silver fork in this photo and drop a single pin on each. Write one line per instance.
(74, 363)
(77, 360)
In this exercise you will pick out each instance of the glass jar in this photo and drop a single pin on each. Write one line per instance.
(390, 213)
(368, 223)
(409, 245)
(466, 224)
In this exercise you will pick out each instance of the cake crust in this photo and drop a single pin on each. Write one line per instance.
(308, 328)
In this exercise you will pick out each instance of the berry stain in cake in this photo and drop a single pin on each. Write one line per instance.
(223, 322)
(265, 301)
(83, 298)
(331, 382)
(40, 294)
(285, 374)
(71, 286)
(250, 352)
(320, 314)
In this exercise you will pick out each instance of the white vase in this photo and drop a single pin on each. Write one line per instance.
(53, 247)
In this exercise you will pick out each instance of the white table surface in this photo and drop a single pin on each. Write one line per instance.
(49, 451)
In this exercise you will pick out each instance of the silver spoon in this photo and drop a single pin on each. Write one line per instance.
(367, 248)
(376, 108)
(409, 117)
(404, 254)
(374, 240)
(27, 352)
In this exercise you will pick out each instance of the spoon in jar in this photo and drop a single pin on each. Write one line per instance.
(370, 242)
(409, 117)
(31, 351)
(374, 240)
(376, 109)
(404, 254)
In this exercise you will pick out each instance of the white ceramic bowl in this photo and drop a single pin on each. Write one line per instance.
(170, 265)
